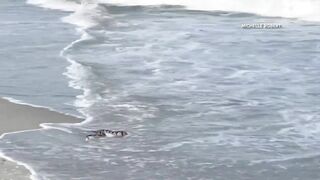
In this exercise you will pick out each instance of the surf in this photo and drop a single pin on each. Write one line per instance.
(299, 9)
(305, 10)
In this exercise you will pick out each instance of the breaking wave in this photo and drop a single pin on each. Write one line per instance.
(300, 9)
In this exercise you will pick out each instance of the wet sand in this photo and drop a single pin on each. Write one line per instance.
(16, 117)
(10, 170)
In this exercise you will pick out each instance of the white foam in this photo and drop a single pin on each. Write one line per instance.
(33, 175)
(84, 36)
(302, 9)
(15, 101)
(87, 15)
(56, 4)
(53, 126)
(78, 75)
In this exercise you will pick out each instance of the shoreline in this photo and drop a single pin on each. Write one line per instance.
(22, 117)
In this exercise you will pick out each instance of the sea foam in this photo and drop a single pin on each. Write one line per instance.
(56, 4)
(301, 9)
(87, 15)
(87, 12)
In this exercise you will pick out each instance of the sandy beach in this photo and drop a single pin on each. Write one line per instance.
(10, 170)
(16, 117)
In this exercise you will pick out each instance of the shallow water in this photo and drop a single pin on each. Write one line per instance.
(31, 39)
(200, 97)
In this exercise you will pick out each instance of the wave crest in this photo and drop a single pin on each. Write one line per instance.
(301, 9)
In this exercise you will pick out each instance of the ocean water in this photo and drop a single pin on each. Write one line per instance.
(29, 49)
(200, 97)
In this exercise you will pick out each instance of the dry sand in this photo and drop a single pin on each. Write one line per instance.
(16, 117)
